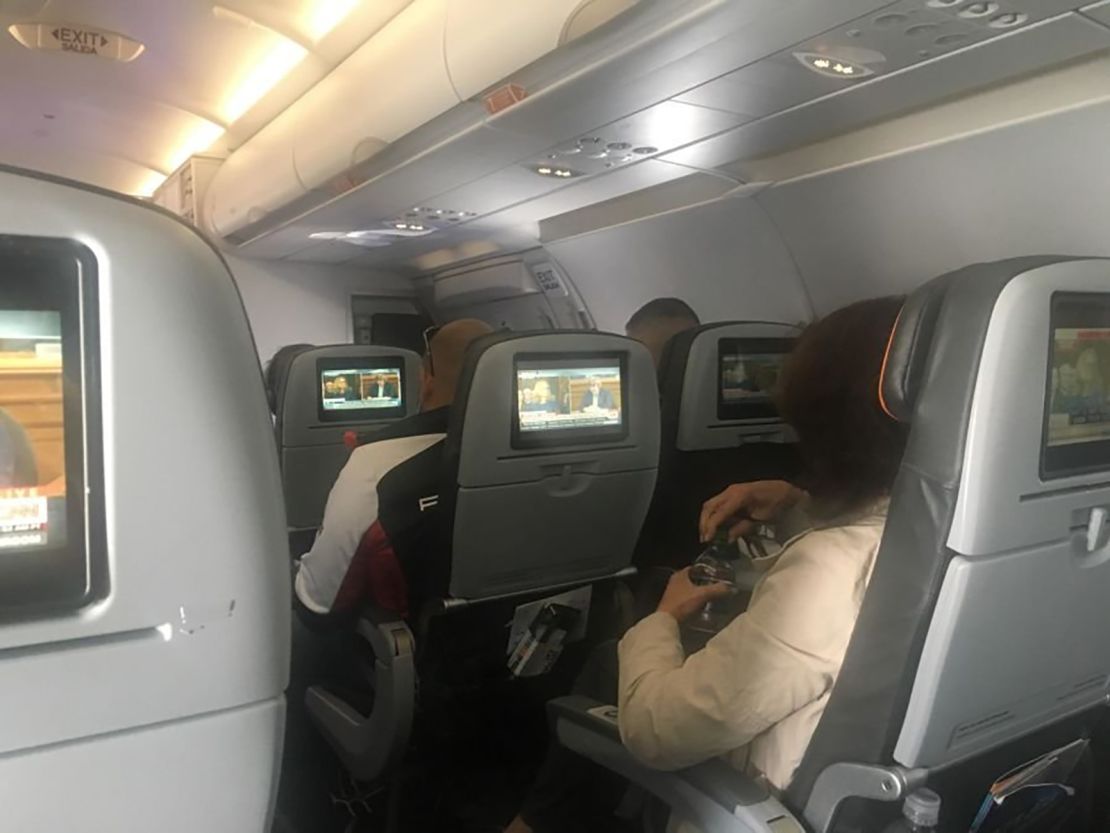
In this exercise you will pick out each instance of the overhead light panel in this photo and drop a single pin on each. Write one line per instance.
(832, 66)
(556, 171)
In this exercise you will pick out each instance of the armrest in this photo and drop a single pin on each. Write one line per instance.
(368, 746)
(712, 794)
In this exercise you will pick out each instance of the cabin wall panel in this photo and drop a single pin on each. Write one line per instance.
(724, 258)
(305, 302)
(1040, 186)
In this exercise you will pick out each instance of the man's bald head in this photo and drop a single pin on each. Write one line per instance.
(443, 365)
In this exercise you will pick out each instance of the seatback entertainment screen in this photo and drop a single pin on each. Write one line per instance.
(361, 390)
(570, 399)
(52, 542)
(32, 431)
(749, 371)
(1077, 421)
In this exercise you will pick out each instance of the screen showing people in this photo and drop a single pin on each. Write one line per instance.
(1079, 409)
(749, 377)
(356, 389)
(32, 431)
(571, 395)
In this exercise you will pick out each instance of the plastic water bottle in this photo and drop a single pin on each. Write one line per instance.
(920, 814)
(717, 563)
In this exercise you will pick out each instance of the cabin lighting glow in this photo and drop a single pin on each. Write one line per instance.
(325, 15)
(263, 77)
(283, 57)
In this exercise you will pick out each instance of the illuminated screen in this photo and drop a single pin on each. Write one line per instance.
(569, 399)
(1077, 399)
(746, 378)
(361, 390)
(32, 431)
(749, 371)
(1079, 410)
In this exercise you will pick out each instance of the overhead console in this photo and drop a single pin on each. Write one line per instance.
(432, 56)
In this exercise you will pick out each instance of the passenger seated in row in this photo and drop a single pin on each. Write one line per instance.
(658, 321)
(376, 543)
(757, 690)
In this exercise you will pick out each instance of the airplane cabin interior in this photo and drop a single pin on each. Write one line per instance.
(555, 415)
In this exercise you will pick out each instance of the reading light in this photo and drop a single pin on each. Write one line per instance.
(557, 172)
(832, 66)
(402, 226)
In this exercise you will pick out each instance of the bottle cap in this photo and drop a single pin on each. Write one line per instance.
(922, 808)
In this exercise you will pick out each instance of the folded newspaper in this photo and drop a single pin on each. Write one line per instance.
(1028, 797)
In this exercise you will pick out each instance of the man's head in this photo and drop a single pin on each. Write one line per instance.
(443, 362)
(341, 384)
(658, 321)
(595, 385)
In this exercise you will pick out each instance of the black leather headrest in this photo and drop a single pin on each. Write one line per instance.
(908, 349)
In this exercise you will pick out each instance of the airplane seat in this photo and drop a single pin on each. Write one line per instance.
(144, 618)
(312, 417)
(541, 495)
(973, 651)
(715, 430)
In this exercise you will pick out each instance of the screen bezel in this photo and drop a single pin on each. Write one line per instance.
(730, 346)
(560, 438)
(61, 275)
(354, 415)
(1078, 310)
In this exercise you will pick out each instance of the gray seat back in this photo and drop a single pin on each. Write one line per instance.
(542, 493)
(719, 426)
(313, 417)
(715, 383)
(980, 623)
(144, 621)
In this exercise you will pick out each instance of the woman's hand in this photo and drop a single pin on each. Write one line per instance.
(683, 598)
(744, 504)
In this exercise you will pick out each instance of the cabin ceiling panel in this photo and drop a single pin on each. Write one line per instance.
(1038, 47)
(1033, 187)
(202, 69)
(1099, 12)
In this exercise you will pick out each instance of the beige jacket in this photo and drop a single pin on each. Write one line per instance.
(754, 694)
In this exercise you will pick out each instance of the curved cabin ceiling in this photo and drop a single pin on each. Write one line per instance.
(209, 76)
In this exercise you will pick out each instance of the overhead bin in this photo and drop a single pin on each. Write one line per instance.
(429, 58)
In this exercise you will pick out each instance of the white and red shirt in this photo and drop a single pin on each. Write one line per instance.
(379, 541)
